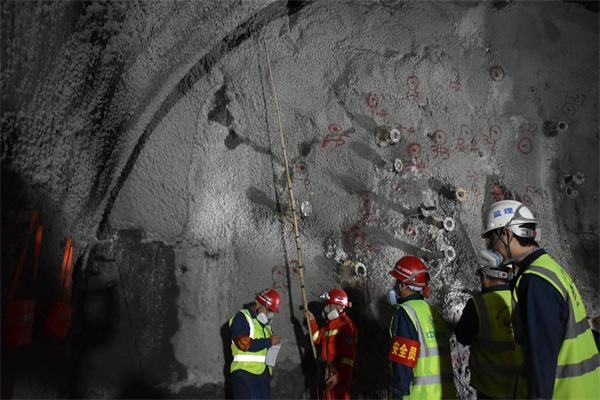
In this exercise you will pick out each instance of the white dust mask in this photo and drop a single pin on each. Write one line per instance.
(262, 318)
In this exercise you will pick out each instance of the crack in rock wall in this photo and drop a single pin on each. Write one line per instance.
(389, 109)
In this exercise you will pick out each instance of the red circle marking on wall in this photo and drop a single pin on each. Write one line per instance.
(414, 150)
(439, 137)
(334, 128)
(373, 100)
(412, 82)
(525, 146)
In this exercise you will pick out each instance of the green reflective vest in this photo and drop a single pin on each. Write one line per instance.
(251, 361)
(578, 364)
(495, 360)
(432, 376)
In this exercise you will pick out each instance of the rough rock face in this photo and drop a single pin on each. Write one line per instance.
(152, 127)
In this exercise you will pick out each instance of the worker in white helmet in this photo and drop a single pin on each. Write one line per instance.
(549, 317)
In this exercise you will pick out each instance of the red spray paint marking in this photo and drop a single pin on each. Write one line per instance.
(404, 129)
(455, 80)
(414, 150)
(467, 141)
(412, 84)
(295, 267)
(498, 193)
(334, 137)
(495, 133)
(279, 277)
(356, 236)
(301, 170)
(373, 101)
(528, 129)
(525, 146)
(438, 148)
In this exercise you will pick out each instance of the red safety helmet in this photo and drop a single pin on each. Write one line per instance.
(337, 296)
(270, 299)
(410, 270)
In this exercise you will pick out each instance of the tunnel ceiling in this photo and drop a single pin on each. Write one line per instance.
(159, 117)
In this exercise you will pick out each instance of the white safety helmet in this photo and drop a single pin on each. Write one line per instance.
(509, 214)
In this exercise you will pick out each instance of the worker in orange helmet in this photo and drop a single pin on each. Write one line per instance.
(338, 344)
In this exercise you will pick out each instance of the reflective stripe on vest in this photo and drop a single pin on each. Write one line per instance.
(495, 360)
(251, 361)
(433, 373)
(432, 379)
(249, 358)
(578, 364)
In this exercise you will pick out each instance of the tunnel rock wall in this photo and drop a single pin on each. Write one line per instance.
(494, 100)
(480, 97)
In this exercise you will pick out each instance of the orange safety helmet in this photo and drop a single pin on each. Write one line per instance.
(337, 296)
(410, 270)
(270, 299)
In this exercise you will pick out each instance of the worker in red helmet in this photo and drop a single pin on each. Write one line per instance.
(419, 353)
(338, 344)
(251, 337)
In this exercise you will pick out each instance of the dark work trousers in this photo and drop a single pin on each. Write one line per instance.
(245, 385)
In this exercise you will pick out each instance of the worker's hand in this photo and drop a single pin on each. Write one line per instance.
(333, 380)
(275, 340)
(310, 315)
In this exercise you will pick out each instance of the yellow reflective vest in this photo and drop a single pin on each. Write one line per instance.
(251, 361)
(432, 376)
(578, 364)
(495, 360)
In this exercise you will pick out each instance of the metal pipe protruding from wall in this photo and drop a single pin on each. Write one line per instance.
(360, 269)
(461, 194)
(448, 224)
(398, 165)
(450, 253)
(305, 209)
(394, 136)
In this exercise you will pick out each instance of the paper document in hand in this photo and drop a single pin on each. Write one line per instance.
(272, 355)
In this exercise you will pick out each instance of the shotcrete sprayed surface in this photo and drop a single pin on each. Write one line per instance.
(343, 78)
(470, 101)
